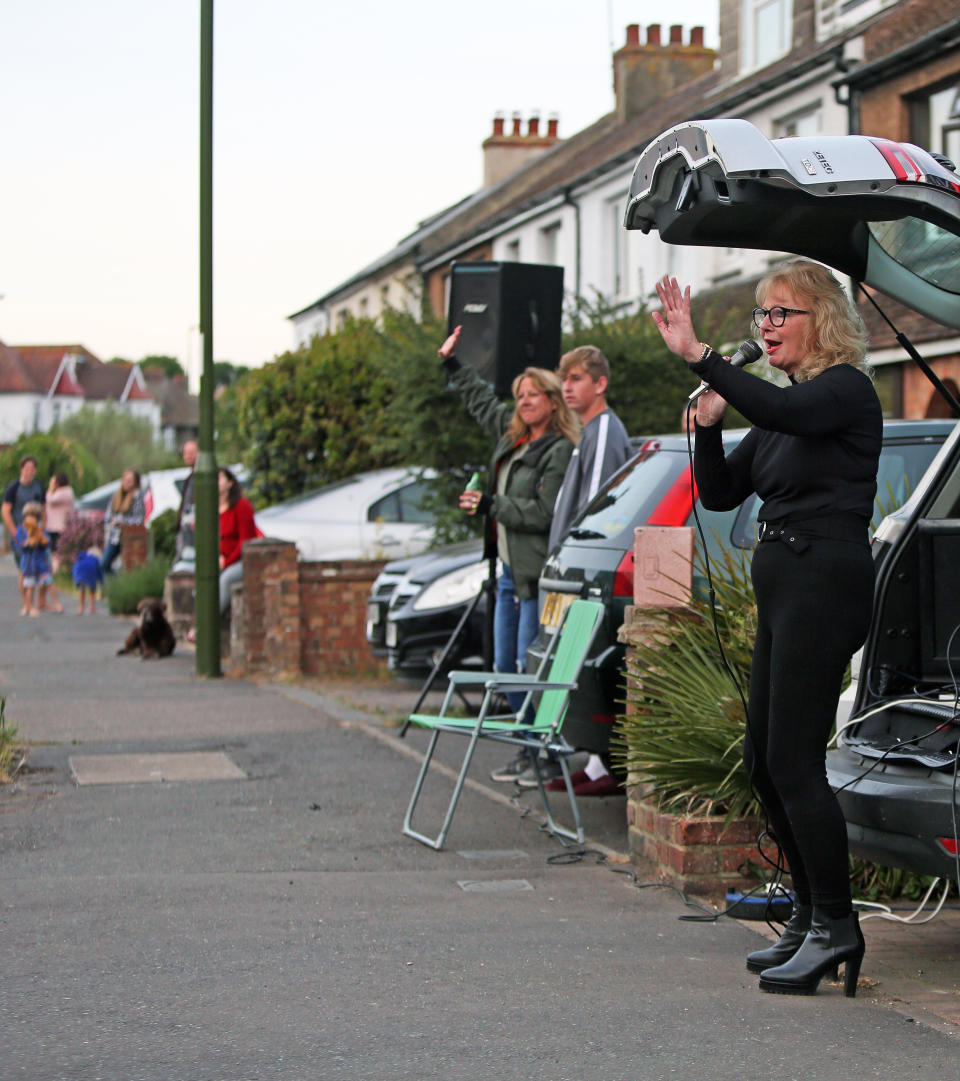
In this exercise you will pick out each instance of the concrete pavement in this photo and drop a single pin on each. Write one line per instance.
(253, 911)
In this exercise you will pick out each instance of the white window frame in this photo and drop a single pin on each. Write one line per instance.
(750, 59)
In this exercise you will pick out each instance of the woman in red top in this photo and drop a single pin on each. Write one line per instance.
(236, 527)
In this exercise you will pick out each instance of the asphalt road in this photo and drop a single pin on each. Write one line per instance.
(279, 925)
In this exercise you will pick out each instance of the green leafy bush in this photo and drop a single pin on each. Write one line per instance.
(684, 720)
(55, 453)
(125, 590)
(8, 743)
(163, 531)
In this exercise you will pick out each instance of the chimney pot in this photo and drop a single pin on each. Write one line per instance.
(553, 123)
(676, 35)
(653, 34)
(633, 34)
(516, 124)
(533, 127)
(696, 36)
(498, 124)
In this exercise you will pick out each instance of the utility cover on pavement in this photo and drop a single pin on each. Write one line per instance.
(494, 885)
(139, 768)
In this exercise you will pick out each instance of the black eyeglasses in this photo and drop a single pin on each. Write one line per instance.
(778, 315)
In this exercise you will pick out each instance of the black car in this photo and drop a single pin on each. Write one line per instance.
(895, 766)
(595, 559)
(426, 606)
(393, 574)
(887, 214)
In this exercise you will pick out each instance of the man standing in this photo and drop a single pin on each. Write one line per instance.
(26, 489)
(604, 446)
(185, 515)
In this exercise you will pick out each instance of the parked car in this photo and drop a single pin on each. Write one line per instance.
(888, 214)
(595, 559)
(372, 515)
(895, 768)
(396, 573)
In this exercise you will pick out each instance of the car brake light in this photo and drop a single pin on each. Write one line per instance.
(949, 843)
(676, 506)
(905, 168)
(623, 577)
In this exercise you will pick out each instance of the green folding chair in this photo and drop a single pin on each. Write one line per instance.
(563, 663)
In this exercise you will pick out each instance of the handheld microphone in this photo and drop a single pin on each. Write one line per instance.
(746, 353)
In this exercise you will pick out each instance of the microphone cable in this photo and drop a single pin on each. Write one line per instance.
(778, 865)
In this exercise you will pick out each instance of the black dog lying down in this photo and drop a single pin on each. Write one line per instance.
(152, 636)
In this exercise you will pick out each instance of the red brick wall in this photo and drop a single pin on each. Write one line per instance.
(271, 607)
(333, 608)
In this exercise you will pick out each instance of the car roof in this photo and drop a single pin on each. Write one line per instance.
(349, 491)
(885, 213)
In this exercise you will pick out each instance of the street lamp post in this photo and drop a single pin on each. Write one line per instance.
(207, 568)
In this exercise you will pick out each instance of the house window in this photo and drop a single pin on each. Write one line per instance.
(511, 251)
(364, 308)
(802, 124)
(617, 246)
(547, 245)
(766, 27)
(943, 123)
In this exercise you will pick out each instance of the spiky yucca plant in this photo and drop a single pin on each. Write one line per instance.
(683, 724)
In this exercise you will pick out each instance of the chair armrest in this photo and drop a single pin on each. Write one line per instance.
(517, 683)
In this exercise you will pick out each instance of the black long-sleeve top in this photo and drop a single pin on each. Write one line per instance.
(813, 451)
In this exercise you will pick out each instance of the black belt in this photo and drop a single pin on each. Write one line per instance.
(797, 534)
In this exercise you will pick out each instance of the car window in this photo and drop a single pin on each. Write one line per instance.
(386, 509)
(628, 502)
(901, 467)
(404, 505)
(924, 249)
(413, 503)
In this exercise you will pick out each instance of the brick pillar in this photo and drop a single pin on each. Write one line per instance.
(271, 607)
(333, 614)
(133, 546)
(178, 596)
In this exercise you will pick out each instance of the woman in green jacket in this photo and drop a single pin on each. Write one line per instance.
(534, 442)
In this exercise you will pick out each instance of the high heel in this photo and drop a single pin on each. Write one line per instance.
(786, 945)
(829, 943)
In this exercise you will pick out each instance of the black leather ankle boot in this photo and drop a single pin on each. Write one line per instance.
(786, 945)
(829, 943)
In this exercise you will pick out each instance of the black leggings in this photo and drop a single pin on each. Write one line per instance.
(813, 613)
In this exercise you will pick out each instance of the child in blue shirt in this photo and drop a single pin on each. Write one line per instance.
(87, 576)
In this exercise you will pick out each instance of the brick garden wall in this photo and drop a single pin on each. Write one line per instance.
(333, 608)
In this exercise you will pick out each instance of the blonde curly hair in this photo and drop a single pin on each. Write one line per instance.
(836, 333)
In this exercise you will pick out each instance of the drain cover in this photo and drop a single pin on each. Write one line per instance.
(495, 885)
(143, 768)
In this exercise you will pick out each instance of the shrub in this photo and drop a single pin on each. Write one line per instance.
(684, 721)
(163, 531)
(125, 590)
(8, 745)
(79, 533)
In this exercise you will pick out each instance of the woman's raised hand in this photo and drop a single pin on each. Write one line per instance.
(674, 322)
(449, 347)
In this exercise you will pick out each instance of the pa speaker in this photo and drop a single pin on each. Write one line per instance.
(510, 314)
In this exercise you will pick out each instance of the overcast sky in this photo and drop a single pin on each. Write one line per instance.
(337, 128)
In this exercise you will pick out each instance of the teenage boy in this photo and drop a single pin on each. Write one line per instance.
(604, 446)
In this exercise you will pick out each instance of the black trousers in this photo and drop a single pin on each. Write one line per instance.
(813, 609)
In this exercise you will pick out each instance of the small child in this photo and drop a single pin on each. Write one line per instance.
(87, 575)
(34, 547)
